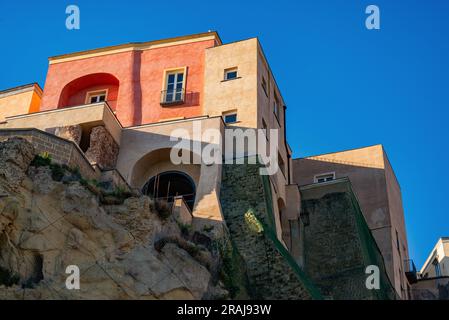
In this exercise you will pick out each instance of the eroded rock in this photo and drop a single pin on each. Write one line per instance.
(46, 226)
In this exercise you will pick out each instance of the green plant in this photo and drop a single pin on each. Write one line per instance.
(252, 222)
(162, 208)
(57, 171)
(121, 192)
(185, 228)
(208, 228)
(75, 171)
(231, 274)
(7, 278)
(41, 160)
(83, 182)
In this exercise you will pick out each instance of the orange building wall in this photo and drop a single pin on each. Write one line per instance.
(35, 103)
(140, 73)
(80, 97)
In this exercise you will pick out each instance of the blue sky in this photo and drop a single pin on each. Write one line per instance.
(345, 86)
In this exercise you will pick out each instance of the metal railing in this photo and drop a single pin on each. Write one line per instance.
(410, 271)
(173, 96)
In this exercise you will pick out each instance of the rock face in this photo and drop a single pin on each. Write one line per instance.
(72, 133)
(46, 226)
(103, 150)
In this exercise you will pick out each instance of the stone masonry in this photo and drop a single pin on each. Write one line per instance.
(337, 249)
(62, 151)
(272, 273)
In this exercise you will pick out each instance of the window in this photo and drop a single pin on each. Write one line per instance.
(276, 106)
(96, 96)
(265, 128)
(397, 241)
(230, 74)
(324, 177)
(264, 86)
(437, 268)
(230, 117)
(281, 164)
(174, 87)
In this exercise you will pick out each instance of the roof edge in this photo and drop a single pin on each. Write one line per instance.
(20, 89)
(131, 45)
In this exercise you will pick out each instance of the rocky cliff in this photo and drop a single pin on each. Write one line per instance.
(51, 219)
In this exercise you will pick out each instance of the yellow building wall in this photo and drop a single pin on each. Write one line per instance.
(234, 95)
(22, 102)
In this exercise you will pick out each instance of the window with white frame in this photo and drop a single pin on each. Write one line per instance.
(174, 87)
(96, 96)
(324, 177)
(230, 74)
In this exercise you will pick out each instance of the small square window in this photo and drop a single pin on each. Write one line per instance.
(324, 177)
(230, 118)
(230, 74)
(96, 97)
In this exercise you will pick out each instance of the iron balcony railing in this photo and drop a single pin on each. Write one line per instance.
(173, 96)
(410, 271)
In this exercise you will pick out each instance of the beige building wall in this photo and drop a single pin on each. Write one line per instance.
(379, 196)
(145, 152)
(92, 114)
(20, 100)
(398, 230)
(254, 104)
(239, 94)
(440, 255)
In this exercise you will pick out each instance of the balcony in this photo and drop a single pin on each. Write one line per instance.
(410, 271)
(173, 97)
(87, 115)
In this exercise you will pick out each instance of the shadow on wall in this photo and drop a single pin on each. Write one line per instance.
(431, 289)
(338, 245)
(144, 155)
(74, 93)
(370, 188)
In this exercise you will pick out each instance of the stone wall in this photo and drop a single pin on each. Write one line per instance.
(431, 289)
(337, 249)
(61, 151)
(103, 150)
(271, 271)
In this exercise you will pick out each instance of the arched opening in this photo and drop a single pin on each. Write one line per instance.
(91, 88)
(170, 184)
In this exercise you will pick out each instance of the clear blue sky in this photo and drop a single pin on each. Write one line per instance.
(345, 86)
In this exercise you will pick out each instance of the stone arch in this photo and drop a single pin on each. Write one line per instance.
(158, 161)
(74, 93)
(170, 184)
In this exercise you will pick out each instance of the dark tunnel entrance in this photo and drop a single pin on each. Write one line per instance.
(169, 184)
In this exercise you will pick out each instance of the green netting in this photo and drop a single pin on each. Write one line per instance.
(268, 229)
(371, 252)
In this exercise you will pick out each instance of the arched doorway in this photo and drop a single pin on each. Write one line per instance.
(169, 184)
